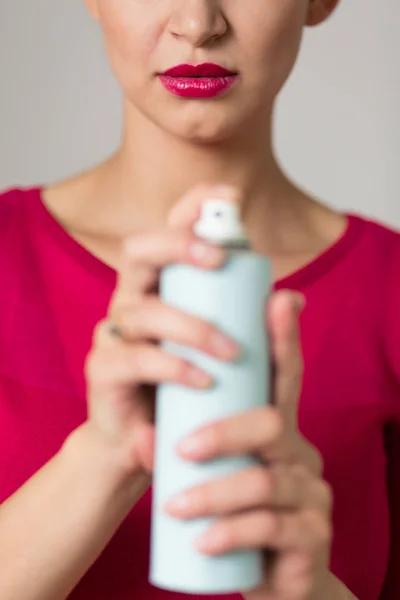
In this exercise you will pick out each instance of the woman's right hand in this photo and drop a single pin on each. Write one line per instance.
(126, 361)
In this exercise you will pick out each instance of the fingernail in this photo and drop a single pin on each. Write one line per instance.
(180, 504)
(213, 540)
(206, 254)
(195, 446)
(199, 378)
(224, 346)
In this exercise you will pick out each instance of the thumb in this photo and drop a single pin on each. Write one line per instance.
(144, 446)
(283, 322)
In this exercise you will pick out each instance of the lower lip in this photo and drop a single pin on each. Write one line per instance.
(198, 87)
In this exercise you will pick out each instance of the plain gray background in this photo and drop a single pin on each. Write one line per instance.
(337, 128)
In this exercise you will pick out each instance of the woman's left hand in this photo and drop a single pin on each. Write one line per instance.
(282, 506)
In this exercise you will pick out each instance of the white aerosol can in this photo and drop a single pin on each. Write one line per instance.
(233, 298)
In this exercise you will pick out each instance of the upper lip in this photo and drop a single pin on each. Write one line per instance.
(202, 70)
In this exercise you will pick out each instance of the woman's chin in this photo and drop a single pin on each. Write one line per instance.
(211, 127)
(198, 121)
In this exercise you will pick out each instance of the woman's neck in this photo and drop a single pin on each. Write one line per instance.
(153, 169)
(138, 186)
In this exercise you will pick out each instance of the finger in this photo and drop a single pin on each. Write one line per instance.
(283, 323)
(145, 437)
(124, 366)
(289, 575)
(258, 431)
(187, 211)
(150, 318)
(309, 532)
(293, 575)
(280, 487)
(146, 253)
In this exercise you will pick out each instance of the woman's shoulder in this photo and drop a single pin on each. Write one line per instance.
(374, 265)
(379, 247)
(10, 198)
(380, 230)
(13, 206)
(379, 263)
(61, 199)
(14, 194)
(14, 238)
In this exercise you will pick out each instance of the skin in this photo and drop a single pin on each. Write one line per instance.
(260, 41)
(136, 212)
(286, 507)
(171, 145)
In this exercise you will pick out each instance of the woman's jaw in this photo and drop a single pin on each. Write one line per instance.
(175, 136)
(202, 71)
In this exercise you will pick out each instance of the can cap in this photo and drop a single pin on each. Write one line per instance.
(220, 223)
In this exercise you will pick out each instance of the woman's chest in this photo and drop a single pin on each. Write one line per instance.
(35, 422)
(340, 412)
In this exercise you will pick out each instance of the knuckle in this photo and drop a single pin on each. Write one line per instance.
(300, 586)
(132, 361)
(179, 368)
(322, 534)
(119, 310)
(202, 333)
(116, 294)
(96, 370)
(325, 534)
(318, 530)
(120, 300)
(133, 315)
(310, 519)
(132, 318)
(98, 332)
(272, 422)
(301, 474)
(228, 533)
(305, 564)
(324, 493)
(270, 525)
(89, 365)
(262, 482)
(323, 525)
(128, 304)
(305, 587)
(217, 438)
(204, 498)
(317, 461)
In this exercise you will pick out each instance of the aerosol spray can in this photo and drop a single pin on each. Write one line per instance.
(233, 298)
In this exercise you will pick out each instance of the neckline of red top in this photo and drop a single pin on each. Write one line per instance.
(298, 280)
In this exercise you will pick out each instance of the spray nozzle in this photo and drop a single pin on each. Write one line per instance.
(220, 223)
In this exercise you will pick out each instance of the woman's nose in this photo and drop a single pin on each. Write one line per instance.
(197, 21)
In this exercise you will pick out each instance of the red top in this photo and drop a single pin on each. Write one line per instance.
(53, 291)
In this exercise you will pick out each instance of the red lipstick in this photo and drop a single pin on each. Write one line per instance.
(198, 81)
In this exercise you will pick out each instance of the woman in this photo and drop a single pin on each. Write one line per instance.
(75, 481)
